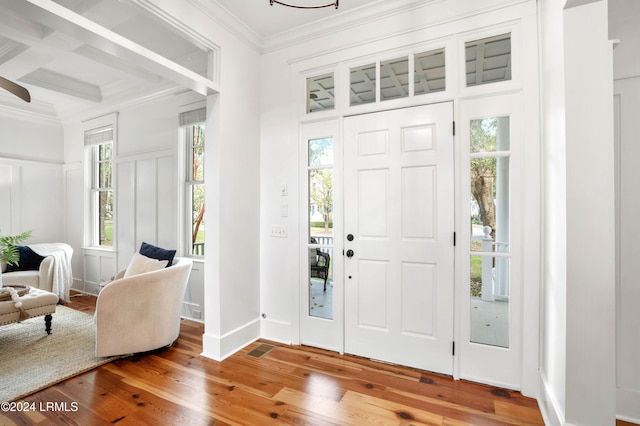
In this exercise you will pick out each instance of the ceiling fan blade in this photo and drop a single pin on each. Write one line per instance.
(16, 89)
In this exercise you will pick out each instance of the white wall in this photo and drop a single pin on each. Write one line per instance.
(147, 185)
(623, 19)
(31, 153)
(232, 174)
(553, 305)
(232, 292)
(590, 398)
(25, 138)
(628, 291)
(577, 347)
(337, 47)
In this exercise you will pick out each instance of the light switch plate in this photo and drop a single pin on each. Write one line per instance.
(279, 231)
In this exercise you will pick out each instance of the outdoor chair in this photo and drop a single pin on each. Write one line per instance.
(319, 263)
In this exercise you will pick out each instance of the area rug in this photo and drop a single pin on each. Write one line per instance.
(31, 360)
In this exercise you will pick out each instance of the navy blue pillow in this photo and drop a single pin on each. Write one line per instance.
(28, 260)
(157, 253)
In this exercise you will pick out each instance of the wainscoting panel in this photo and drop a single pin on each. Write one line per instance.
(192, 306)
(166, 206)
(125, 213)
(5, 196)
(74, 218)
(146, 200)
(99, 267)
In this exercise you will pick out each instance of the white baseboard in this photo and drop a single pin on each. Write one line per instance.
(221, 347)
(549, 406)
(277, 331)
(628, 405)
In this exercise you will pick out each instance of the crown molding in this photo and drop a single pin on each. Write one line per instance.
(229, 22)
(372, 12)
(200, 40)
(117, 106)
(34, 112)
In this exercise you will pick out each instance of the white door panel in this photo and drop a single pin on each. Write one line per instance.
(398, 204)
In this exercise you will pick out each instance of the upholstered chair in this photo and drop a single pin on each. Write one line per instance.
(141, 312)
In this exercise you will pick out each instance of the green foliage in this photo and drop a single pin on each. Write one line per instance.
(476, 276)
(8, 251)
(320, 225)
(321, 193)
(483, 139)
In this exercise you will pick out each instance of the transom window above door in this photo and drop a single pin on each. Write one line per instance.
(401, 77)
(391, 79)
(488, 60)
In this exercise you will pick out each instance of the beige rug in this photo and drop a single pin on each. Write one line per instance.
(31, 360)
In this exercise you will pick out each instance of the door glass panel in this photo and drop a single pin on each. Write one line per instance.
(394, 79)
(490, 135)
(489, 198)
(490, 300)
(321, 152)
(490, 204)
(320, 93)
(362, 87)
(429, 72)
(320, 280)
(488, 60)
(320, 245)
(489, 172)
(321, 202)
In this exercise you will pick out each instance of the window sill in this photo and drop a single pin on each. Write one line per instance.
(102, 249)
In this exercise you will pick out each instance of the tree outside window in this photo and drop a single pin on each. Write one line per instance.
(321, 184)
(195, 186)
(104, 193)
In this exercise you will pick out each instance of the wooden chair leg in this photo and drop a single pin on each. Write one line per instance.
(47, 323)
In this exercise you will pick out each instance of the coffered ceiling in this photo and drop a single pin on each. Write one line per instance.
(75, 55)
(58, 50)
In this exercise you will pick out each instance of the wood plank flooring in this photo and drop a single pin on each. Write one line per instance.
(288, 385)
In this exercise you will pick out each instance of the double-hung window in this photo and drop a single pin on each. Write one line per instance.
(99, 146)
(192, 124)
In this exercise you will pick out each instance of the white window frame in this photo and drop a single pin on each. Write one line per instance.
(187, 120)
(98, 132)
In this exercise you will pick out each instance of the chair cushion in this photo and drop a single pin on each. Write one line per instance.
(140, 264)
(157, 253)
(28, 260)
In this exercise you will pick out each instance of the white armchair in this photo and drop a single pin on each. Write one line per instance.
(42, 278)
(140, 313)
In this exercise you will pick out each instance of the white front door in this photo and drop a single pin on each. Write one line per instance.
(399, 225)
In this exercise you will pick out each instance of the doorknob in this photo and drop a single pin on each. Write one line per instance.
(350, 253)
(350, 237)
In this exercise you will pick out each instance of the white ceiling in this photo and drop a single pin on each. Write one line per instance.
(624, 16)
(69, 73)
(268, 21)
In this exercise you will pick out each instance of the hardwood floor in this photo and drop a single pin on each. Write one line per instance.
(288, 385)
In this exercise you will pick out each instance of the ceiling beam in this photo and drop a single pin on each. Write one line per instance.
(61, 83)
(51, 14)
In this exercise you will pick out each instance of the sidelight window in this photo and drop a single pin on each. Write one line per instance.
(320, 181)
(490, 242)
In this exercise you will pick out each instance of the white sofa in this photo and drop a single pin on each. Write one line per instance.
(42, 278)
(141, 313)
